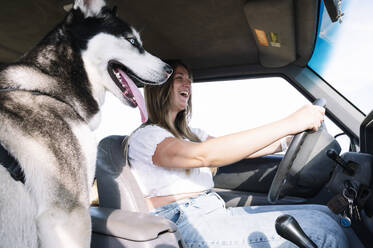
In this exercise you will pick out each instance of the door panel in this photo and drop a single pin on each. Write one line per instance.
(250, 175)
(246, 183)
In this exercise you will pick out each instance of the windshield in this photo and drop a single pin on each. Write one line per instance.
(344, 51)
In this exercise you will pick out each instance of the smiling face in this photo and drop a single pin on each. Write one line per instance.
(181, 89)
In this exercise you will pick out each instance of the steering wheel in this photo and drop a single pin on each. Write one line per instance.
(280, 182)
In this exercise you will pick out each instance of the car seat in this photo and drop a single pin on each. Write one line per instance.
(122, 218)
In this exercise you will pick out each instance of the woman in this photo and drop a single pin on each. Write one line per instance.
(172, 163)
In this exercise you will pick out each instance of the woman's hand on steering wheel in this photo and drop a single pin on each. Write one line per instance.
(308, 117)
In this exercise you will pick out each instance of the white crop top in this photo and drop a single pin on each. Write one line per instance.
(155, 180)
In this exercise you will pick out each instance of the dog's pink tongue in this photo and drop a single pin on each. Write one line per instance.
(138, 96)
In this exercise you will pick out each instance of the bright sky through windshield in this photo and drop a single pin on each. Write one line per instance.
(344, 52)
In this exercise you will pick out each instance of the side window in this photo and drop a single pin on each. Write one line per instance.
(221, 108)
(117, 118)
(230, 106)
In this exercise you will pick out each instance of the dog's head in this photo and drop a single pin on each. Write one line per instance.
(112, 51)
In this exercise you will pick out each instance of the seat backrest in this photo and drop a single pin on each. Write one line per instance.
(117, 187)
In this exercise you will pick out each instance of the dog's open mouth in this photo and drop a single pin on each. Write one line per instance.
(122, 78)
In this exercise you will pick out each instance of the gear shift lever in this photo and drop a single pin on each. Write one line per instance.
(288, 228)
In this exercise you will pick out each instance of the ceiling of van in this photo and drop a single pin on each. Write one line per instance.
(206, 34)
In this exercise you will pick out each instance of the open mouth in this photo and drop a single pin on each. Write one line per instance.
(123, 78)
(117, 71)
(184, 93)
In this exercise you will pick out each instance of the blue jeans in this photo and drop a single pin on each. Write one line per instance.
(203, 221)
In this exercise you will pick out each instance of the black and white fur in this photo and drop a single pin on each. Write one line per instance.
(49, 105)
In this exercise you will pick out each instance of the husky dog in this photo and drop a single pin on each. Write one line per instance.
(49, 105)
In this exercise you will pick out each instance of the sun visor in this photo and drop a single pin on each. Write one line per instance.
(272, 24)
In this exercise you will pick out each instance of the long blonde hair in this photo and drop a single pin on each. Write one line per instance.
(158, 105)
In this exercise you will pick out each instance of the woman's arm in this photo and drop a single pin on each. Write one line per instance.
(176, 153)
(270, 149)
(273, 148)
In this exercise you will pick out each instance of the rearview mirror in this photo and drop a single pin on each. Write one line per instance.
(334, 9)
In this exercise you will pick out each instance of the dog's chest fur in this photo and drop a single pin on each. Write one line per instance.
(42, 127)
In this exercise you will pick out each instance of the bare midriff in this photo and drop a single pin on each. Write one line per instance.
(159, 201)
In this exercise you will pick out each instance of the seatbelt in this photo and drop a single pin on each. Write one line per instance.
(11, 164)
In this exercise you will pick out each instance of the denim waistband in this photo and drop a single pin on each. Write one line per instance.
(184, 201)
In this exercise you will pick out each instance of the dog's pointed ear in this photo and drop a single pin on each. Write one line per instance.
(73, 17)
(115, 10)
(89, 7)
(69, 18)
